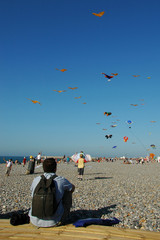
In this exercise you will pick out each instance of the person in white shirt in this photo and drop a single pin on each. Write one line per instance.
(38, 158)
(9, 167)
(64, 190)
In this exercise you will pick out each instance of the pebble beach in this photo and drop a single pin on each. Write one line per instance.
(129, 192)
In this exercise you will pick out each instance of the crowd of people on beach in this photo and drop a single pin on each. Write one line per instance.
(66, 159)
(40, 214)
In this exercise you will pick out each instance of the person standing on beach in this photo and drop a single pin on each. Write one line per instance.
(38, 158)
(24, 161)
(68, 160)
(9, 167)
(63, 194)
(31, 165)
(81, 166)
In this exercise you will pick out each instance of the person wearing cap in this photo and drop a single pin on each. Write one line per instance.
(31, 165)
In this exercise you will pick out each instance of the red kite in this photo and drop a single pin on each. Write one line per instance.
(125, 139)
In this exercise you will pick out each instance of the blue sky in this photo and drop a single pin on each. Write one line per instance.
(39, 36)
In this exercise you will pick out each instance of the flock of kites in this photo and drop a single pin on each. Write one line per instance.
(125, 138)
(108, 77)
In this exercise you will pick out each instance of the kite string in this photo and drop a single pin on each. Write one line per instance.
(138, 139)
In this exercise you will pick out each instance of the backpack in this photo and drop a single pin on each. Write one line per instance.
(44, 202)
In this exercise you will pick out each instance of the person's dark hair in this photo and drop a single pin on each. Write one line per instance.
(49, 165)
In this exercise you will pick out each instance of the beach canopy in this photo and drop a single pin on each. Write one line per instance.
(76, 156)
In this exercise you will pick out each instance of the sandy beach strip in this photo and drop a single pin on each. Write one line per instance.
(128, 192)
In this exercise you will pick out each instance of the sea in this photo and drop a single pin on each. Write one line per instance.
(19, 158)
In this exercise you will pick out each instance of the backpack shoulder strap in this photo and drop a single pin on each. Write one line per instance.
(47, 182)
(53, 177)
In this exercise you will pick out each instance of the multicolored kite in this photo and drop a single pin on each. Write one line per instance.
(107, 76)
(125, 139)
(107, 113)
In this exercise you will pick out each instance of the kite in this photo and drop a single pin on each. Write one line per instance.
(34, 101)
(129, 122)
(107, 113)
(84, 103)
(114, 74)
(108, 136)
(98, 14)
(114, 146)
(134, 105)
(151, 155)
(153, 146)
(77, 97)
(59, 91)
(104, 129)
(73, 88)
(152, 121)
(97, 123)
(149, 77)
(136, 75)
(107, 76)
(62, 70)
(125, 139)
(113, 125)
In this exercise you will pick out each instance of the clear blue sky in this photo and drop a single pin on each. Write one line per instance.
(38, 36)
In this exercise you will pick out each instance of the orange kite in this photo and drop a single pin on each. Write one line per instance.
(77, 97)
(59, 91)
(33, 101)
(73, 88)
(62, 70)
(98, 14)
